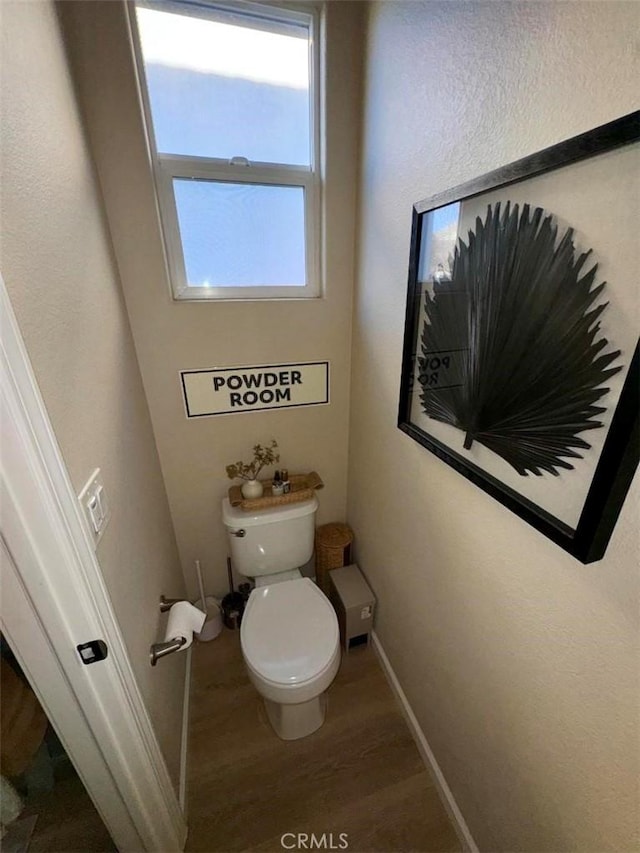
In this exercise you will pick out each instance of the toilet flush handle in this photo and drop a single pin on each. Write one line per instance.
(239, 533)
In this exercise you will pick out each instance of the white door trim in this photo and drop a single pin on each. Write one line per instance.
(54, 598)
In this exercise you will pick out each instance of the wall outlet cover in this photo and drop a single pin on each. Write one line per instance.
(95, 506)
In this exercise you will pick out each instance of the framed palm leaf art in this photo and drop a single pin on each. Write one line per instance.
(520, 366)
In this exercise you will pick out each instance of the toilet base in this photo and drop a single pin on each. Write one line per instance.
(291, 722)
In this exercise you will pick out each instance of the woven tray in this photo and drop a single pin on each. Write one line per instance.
(302, 488)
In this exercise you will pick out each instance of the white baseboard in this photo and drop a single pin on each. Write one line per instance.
(446, 795)
(184, 739)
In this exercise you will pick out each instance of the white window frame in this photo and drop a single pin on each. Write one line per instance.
(166, 167)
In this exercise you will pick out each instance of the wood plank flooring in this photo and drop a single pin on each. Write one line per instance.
(359, 774)
(67, 820)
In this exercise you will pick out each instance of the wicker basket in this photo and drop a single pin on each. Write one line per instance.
(302, 488)
(333, 550)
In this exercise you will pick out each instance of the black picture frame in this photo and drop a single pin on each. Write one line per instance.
(618, 459)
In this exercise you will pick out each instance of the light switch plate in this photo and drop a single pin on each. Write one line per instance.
(95, 506)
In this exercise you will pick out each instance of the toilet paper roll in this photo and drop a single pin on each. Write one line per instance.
(185, 620)
(213, 623)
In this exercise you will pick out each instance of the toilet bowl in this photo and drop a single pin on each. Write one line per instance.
(289, 634)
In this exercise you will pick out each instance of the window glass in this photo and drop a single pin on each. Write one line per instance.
(241, 235)
(227, 88)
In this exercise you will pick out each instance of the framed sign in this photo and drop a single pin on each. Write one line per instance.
(520, 363)
(233, 390)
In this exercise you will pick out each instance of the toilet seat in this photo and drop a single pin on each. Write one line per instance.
(289, 634)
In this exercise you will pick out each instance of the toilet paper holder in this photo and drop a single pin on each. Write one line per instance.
(167, 603)
(160, 650)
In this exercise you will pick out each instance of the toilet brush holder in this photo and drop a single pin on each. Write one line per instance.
(232, 609)
(213, 623)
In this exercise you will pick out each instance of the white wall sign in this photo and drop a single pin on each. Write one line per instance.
(228, 390)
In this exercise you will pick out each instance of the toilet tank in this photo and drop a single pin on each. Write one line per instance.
(274, 540)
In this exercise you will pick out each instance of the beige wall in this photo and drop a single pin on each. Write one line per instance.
(57, 265)
(520, 663)
(171, 336)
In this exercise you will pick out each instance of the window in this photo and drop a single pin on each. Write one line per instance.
(231, 100)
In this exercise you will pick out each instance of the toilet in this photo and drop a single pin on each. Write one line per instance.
(289, 634)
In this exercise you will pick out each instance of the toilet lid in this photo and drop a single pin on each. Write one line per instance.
(289, 631)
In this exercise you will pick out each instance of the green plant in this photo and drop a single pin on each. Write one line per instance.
(262, 456)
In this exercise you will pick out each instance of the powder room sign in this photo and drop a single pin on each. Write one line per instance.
(229, 390)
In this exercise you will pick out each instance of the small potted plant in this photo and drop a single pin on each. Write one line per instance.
(248, 471)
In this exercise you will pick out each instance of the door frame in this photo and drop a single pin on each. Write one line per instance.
(53, 598)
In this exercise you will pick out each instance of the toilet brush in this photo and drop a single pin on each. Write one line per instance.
(201, 585)
(232, 603)
(230, 574)
(213, 624)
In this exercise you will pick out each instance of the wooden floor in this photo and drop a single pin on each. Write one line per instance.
(57, 814)
(360, 774)
(67, 820)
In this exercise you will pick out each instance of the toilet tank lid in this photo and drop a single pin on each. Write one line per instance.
(234, 516)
